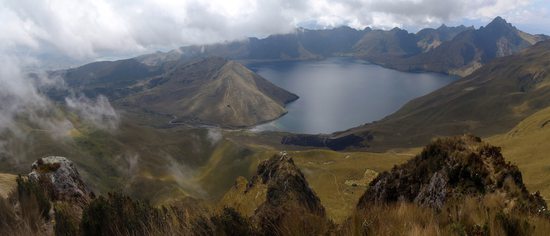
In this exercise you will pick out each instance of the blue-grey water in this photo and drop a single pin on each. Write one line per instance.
(340, 93)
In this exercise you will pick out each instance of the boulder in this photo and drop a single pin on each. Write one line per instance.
(60, 178)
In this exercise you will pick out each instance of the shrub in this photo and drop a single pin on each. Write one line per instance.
(513, 225)
(115, 215)
(8, 218)
(230, 222)
(29, 194)
(66, 220)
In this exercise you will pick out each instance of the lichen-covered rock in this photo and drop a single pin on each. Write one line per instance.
(452, 168)
(61, 180)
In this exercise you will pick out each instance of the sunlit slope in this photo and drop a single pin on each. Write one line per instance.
(338, 178)
(213, 91)
(528, 146)
(7, 184)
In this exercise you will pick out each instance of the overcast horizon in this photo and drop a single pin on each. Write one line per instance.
(59, 31)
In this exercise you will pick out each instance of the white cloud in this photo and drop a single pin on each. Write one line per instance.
(214, 135)
(90, 29)
(99, 113)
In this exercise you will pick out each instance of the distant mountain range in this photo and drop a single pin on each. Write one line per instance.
(305, 44)
(194, 84)
(466, 52)
(453, 50)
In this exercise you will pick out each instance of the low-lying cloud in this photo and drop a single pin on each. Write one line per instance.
(214, 135)
(184, 176)
(25, 111)
(98, 112)
(21, 99)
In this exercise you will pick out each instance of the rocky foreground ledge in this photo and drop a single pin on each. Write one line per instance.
(59, 176)
(455, 186)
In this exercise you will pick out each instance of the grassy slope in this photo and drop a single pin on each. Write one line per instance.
(326, 171)
(527, 146)
(7, 184)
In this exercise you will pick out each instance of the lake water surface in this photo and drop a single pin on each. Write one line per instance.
(340, 93)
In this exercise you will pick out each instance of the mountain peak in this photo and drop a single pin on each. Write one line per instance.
(443, 26)
(499, 19)
(499, 22)
(396, 29)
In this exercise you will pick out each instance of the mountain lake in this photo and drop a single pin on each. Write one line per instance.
(340, 93)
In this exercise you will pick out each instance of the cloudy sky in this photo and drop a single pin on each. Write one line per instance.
(88, 30)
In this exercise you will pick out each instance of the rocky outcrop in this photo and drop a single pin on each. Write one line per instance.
(450, 169)
(277, 196)
(285, 185)
(60, 178)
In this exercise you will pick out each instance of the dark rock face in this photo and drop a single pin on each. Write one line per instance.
(278, 199)
(285, 185)
(61, 179)
(451, 168)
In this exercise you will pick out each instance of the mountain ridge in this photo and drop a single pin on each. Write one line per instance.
(466, 52)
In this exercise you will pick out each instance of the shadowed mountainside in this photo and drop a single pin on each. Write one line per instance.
(466, 52)
(393, 42)
(432, 38)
